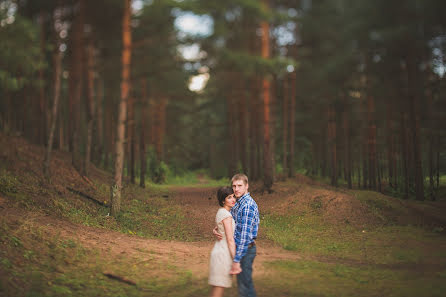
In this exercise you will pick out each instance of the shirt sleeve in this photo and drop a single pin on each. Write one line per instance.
(243, 230)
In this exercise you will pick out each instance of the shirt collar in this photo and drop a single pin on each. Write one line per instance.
(241, 199)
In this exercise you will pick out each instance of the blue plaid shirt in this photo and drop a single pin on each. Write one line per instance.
(246, 215)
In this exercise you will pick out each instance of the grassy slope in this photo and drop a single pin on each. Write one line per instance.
(352, 243)
(398, 250)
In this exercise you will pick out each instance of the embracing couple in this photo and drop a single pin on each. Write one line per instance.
(236, 231)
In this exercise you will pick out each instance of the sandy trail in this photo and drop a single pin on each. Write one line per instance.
(200, 207)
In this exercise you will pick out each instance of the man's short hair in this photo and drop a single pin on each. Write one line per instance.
(240, 176)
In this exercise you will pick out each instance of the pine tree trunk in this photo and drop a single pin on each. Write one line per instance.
(364, 162)
(108, 135)
(266, 95)
(232, 164)
(430, 116)
(142, 140)
(347, 153)
(404, 157)
(253, 135)
(152, 118)
(42, 124)
(61, 145)
(120, 131)
(379, 171)
(75, 87)
(285, 111)
(272, 114)
(57, 84)
(267, 160)
(243, 127)
(292, 112)
(91, 106)
(213, 155)
(162, 127)
(99, 147)
(412, 72)
(131, 139)
(389, 138)
(438, 162)
(365, 142)
(371, 141)
(332, 145)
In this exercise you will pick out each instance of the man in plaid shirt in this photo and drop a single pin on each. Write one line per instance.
(246, 216)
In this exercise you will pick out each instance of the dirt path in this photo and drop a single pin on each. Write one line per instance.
(200, 206)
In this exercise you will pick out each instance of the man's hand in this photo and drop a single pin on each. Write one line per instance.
(235, 269)
(217, 234)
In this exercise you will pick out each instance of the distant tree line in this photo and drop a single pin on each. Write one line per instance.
(352, 91)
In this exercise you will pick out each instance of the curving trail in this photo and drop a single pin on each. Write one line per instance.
(192, 256)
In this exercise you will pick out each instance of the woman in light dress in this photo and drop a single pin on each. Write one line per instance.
(220, 274)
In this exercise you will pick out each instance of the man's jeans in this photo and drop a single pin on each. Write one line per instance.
(244, 279)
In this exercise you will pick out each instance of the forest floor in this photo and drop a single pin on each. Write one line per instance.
(314, 240)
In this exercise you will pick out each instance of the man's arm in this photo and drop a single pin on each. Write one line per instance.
(246, 216)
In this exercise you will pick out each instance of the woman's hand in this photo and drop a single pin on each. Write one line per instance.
(235, 268)
(216, 233)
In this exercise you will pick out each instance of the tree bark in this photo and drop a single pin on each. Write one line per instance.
(379, 171)
(108, 135)
(371, 141)
(254, 131)
(412, 72)
(285, 111)
(390, 144)
(142, 140)
(243, 126)
(331, 116)
(232, 164)
(347, 153)
(438, 162)
(266, 95)
(91, 104)
(430, 117)
(120, 130)
(56, 95)
(292, 112)
(75, 86)
(131, 139)
(404, 157)
(99, 143)
(42, 125)
(161, 131)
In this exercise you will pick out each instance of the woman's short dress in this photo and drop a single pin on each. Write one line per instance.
(221, 260)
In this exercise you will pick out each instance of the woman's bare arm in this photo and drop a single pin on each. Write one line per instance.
(229, 231)
(216, 233)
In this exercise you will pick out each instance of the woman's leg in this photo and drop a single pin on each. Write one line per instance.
(217, 291)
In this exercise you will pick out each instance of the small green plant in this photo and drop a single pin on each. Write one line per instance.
(6, 263)
(28, 254)
(316, 203)
(158, 171)
(9, 184)
(16, 242)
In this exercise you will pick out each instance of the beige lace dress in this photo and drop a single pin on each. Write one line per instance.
(221, 261)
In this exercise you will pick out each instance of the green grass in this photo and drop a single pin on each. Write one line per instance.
(144, 213)
(339, 259)
(197, 178)
(304, 230)
(35, 263)
(312, 278)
